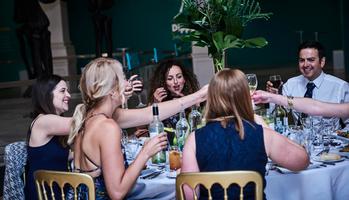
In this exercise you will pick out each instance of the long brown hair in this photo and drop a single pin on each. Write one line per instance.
(228, 98)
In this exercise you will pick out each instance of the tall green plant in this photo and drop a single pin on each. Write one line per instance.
(219, 25)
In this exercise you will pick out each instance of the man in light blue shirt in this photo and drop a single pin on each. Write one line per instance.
(324, 87)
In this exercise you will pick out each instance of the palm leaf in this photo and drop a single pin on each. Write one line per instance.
(219, 24)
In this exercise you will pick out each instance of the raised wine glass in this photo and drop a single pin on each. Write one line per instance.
(139, 94)
(252, 82)
(276, 81)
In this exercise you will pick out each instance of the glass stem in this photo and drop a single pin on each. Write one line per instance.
(139, 100)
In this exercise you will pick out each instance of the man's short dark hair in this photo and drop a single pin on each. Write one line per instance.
(313, 45)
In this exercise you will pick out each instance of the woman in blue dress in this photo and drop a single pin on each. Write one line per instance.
(231, 140)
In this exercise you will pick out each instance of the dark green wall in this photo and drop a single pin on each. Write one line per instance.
(281, 31)
(136, 24)
(143, 25)
(8, 44)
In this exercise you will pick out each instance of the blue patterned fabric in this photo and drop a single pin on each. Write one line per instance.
(51, 156)
(221, 149)
(15, 159)
(100, 189)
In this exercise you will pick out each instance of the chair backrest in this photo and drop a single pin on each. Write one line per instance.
(45, 179)
(224, 178)
(15, 159)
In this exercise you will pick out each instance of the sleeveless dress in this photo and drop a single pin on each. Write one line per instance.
(221, 149)
(100, 187)
(50, 156)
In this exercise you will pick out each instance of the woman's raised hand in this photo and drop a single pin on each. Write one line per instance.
(133, 86)
(261, 96)
(159, 94)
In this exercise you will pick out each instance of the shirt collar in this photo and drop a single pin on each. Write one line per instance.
(318, 81)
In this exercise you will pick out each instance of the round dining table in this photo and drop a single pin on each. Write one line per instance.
(319, 182)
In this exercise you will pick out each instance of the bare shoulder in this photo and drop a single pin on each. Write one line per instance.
(108, 127)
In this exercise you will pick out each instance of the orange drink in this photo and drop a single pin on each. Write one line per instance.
(175, 159)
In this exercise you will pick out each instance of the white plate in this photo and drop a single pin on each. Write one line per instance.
(172, 174)
(318, 159)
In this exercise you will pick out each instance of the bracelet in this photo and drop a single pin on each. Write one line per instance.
(290, 102)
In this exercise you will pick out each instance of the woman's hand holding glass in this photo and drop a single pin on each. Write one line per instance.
(138, 90)
(133, 85)
(159, 94)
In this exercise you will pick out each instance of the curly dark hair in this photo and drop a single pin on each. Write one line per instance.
(159, 79)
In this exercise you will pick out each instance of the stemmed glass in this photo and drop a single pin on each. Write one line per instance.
(276, 81)
(252, 82)
(132, 146)
(139, 94)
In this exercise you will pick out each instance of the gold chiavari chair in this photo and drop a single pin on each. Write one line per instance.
(45, 179)
(224, 178)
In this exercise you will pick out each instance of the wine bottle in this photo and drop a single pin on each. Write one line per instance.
(155, 128)
(194, 118)
(280, 119)
(291, 118)
(182, 130)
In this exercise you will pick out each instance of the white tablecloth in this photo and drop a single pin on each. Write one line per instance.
(160, 188)
(325, 183)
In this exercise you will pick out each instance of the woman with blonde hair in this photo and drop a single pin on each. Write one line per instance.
(232, 140)
(96, 137)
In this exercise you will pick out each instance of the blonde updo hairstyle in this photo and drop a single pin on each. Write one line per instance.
(100, 77)
(228, 98)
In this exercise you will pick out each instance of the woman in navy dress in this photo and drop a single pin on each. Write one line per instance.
(231, 140)
(47, 148)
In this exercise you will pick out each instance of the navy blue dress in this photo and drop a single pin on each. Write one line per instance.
(221, 149)
(51, 156)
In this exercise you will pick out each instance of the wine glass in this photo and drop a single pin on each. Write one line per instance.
(133, 147)
(139, 94)
(275, 80)
(252, 82)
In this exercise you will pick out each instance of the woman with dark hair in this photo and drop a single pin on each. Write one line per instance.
(48, 131)
(171, 80)
(232, 140)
